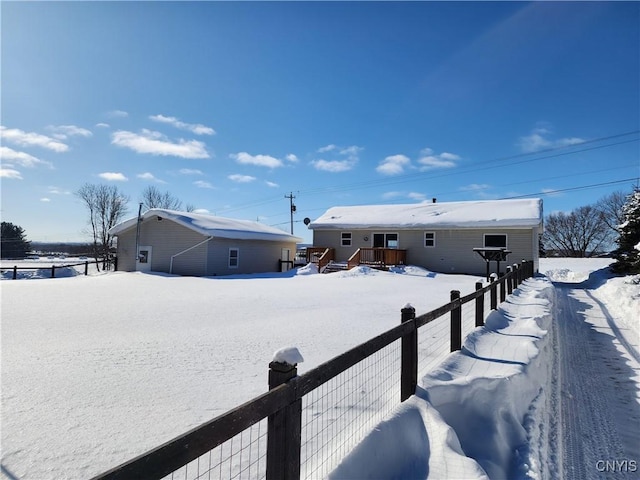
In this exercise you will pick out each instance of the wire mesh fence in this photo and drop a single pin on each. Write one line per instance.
(337, 415)
(316, 419)
(243, 456)
(433, 345)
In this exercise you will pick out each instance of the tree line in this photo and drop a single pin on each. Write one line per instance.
(587, 231)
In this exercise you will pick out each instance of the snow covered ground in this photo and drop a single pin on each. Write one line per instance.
(98, 369)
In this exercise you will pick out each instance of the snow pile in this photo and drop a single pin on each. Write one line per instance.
(621, 295)
(289, 355)
(571, 270)
(414, 442)
(476, 402)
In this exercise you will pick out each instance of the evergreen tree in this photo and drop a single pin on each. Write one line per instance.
(14, 241)
(628, 252)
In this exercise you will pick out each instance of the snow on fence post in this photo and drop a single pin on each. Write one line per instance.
(494, 293)
(284, 428)
(409, 355)
(456, 322)
(479, 306)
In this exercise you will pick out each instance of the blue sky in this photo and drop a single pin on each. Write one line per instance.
(230, 106)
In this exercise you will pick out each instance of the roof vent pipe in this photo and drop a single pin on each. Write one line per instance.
(434, 199)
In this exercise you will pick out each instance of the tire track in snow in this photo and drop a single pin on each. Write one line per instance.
(598, 408)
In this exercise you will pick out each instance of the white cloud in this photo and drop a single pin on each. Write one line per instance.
(416, 196)
(196, 128)
(334, 166)
(117, 114)
(155, 143)
(10, 173)
(30, 139)
(202, 184)
(429, 160)
(259, 160)
(271, 184)
(149, 176)
(475, 187)
(390, 195)
(45, 199)
(328, 148)
(21, 158)
(552, 192)
(62, 132)
(113, 177)
(103, 125)
(539, 139)
(190, 171)
(241, 178)
(339, 163)
(292, 158)
(393, 165)
(58, 191)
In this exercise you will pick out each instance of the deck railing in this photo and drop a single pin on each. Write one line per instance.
(321, 256)
(378, 257)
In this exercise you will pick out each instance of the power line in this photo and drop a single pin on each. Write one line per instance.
(583, 187)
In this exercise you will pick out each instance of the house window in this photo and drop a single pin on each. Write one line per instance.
(495, 240)
(345, 239)
(429, 239)
(234, 257)
(385, 240)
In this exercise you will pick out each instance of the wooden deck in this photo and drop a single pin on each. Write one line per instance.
(380, 258)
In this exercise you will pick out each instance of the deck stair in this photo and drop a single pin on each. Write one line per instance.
(332, 267)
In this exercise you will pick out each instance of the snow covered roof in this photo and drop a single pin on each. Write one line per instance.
(213, 226)
(487, 213)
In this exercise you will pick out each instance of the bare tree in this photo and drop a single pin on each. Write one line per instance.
(106, 206)
(189, 207)
(611, 207)
(581, 233)
(154, 198)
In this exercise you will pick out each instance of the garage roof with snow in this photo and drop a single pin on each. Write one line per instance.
(212, 226)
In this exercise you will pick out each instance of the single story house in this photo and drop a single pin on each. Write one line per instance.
(446, 237)
(196, 244)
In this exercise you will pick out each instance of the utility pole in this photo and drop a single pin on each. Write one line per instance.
(292, 208)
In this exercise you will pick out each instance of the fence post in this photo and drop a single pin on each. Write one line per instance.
(456, 322)
(284, 429)
(15, 272)
(494, 293)
(503, 280)
(409, 359)
(53, 271)
(479, 306)
(86, 268)
(516, 275)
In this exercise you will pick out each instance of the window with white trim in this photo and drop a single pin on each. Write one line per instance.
(495, 240)
(345, 239)
(429, 239)
(234, 257)
(385, 240)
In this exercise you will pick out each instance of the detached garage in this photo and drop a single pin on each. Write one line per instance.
(185, 243)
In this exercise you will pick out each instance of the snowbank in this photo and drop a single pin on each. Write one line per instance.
(471, 417)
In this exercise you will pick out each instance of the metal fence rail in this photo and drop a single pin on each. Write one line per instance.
(305, 425)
